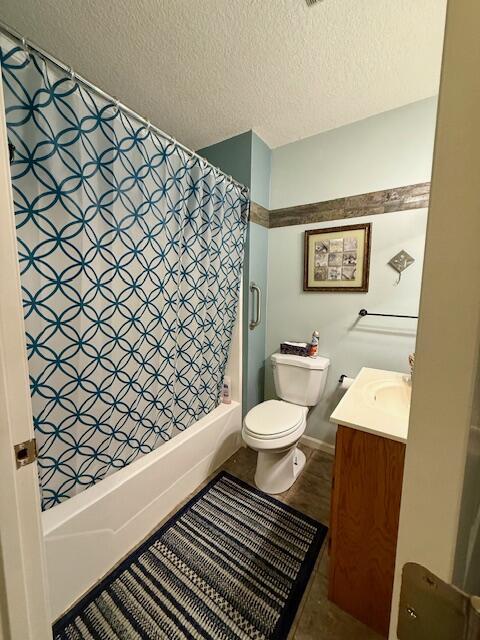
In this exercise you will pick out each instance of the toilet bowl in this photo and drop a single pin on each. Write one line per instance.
(273, 428)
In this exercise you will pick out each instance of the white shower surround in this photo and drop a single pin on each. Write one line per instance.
(87, 535)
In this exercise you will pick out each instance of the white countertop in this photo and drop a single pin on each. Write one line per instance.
(377, 402)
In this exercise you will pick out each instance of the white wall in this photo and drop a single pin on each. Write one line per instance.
(387, 150)
(349, 342)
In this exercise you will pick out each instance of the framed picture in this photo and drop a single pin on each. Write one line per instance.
(337, 259)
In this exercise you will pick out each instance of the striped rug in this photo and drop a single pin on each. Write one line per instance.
(232, 563)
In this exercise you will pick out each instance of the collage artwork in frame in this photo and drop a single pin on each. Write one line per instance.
(337, 259)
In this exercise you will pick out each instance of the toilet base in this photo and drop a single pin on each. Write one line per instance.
(277, 470)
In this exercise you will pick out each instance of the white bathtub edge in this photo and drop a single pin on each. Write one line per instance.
(93, 531)
(55, 517)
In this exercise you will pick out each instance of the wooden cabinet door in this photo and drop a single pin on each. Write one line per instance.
(368, 475)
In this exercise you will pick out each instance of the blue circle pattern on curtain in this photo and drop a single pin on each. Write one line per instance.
(130, 255)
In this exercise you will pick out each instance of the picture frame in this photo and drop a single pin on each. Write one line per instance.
(337, 259)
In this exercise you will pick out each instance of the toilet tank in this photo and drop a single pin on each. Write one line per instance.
(300, 380)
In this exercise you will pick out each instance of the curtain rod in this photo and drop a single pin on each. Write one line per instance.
(28, 44)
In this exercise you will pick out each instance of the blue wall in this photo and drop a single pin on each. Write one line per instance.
(261, 168)
(233, 156)
(248, 159)
(387, 150)
(261, 171)
(392, 149)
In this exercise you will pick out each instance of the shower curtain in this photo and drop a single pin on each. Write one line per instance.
(130, 255)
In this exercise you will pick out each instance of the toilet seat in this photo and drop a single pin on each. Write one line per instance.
(274, 419)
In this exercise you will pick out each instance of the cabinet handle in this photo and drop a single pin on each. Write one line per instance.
(256, 297)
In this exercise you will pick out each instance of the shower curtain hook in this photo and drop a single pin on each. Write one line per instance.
(25, 48)
(71, 73)
(116, 102)
(148, 125)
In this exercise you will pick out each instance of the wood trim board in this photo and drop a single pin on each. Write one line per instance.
(259, 215)
(406, 198)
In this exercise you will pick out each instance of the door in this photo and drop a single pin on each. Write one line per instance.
(439, 519)
(24, 613)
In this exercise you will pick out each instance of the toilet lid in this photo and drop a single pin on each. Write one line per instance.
(274, 418)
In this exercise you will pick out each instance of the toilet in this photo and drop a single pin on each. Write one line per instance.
(273, 428)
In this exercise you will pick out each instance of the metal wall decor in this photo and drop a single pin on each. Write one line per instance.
(401, 261)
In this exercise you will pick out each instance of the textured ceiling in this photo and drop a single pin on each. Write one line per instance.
(204, 70)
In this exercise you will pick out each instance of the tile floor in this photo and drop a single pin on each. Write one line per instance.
(317, 617)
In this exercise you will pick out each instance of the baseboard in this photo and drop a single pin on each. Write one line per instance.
(320, 445)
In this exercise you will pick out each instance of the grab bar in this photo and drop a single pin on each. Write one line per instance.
(257, 316)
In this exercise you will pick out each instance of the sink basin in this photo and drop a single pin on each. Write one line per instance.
(377, 402)
(391, 396)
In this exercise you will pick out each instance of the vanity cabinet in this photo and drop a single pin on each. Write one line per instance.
(367, 486)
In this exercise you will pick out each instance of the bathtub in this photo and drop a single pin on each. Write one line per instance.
(89, 533)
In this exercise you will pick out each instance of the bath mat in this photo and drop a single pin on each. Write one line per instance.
(232, 563)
